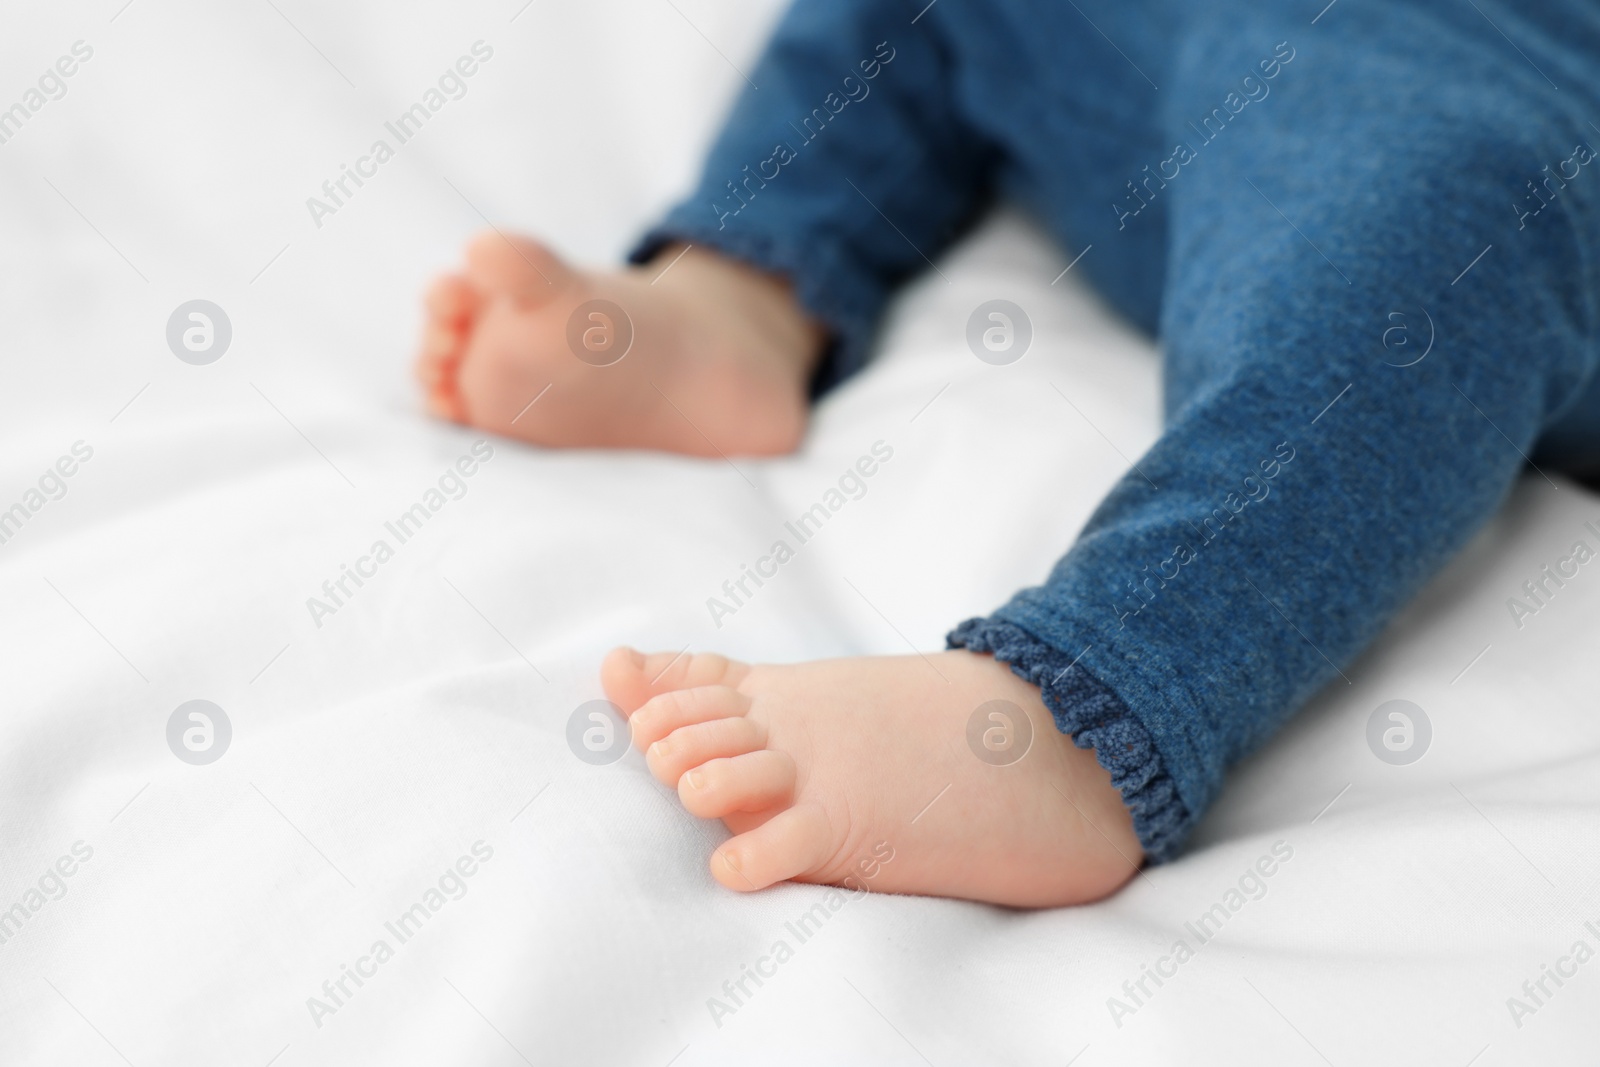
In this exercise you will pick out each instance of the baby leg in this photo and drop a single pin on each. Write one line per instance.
(1315, 471)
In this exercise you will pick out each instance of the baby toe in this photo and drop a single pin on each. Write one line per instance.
(631, 678)
(518, 267)
(445, 404)
(451, 300)
(439, 356)
(436, 369)
(755, 781)
(792, 843)
(690, 746)
(441, 341)
(668, 712)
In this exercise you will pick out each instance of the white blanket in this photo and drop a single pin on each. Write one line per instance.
(163, 912)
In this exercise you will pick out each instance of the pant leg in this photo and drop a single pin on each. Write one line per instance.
(875, 130)
(1307, 483)
(844, 164)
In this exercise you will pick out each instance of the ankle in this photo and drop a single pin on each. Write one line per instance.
(764, 302)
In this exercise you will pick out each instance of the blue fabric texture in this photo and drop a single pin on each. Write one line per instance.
(1367, 244)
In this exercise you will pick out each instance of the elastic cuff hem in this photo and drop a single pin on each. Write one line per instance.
(1095, 717)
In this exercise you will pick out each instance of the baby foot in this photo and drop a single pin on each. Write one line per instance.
(823, 769)
(718, 361)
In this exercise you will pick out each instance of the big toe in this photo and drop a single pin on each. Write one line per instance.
(518, 267)
(630, 678)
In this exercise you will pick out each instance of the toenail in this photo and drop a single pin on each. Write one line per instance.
(659, 749)
(635, 657)
(696, 779)
(731, 860)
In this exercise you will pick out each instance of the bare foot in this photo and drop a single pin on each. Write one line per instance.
(698, 354)
(822, 770)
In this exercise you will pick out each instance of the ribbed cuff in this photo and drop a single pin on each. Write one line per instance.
(1095, 717)
(841, 297)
